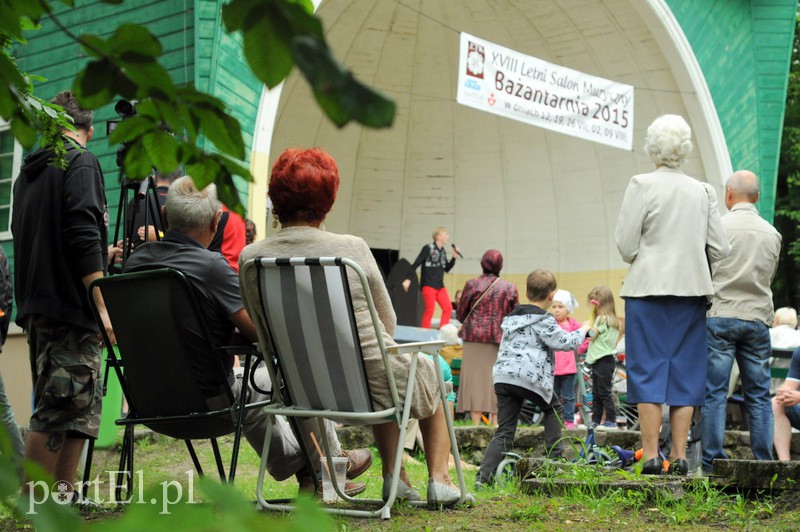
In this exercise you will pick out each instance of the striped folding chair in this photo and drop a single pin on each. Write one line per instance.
(309, 330)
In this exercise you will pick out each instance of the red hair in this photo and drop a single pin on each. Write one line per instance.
(303, 185)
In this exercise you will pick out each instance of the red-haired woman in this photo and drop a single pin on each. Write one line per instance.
(303, 187)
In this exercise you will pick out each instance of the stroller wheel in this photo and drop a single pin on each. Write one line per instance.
(505, 471)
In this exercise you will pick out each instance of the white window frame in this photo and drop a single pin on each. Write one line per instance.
(16, 162)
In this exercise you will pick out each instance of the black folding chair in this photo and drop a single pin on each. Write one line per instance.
(162, 345)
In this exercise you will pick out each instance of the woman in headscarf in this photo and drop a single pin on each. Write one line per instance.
(484, 302)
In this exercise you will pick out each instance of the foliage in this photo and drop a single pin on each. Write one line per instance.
(787, 205)
(171, 119)
(226, 508)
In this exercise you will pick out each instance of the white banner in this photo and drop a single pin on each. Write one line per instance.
(507, 83)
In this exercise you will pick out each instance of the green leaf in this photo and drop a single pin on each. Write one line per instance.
(228, 194)
(136, 163)
(94, 85)
(94, 46)
(299, 16)
(326, 76)
(24, 132)
(267, 49)
(236, 13)
(204, 171)
(236, 168)
(222, 129)
(130, 129)
(162, 148)
(169, 113)
(151, 78)
(366, 105)
(339, 94)
(9, 71)
(134, 38)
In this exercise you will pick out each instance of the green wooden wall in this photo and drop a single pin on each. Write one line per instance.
(55, 56)
(744, 48)
(222, 71)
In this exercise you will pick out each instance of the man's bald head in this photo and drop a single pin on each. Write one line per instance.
(742, 186)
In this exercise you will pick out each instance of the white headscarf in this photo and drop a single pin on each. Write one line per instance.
(567, 299)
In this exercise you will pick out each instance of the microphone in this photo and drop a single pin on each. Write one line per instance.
(456, 251)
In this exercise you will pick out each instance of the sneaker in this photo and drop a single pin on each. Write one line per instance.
(440, 495)
(569, 425)
(608, 425)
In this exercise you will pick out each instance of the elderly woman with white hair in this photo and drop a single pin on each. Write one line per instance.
(669, 230)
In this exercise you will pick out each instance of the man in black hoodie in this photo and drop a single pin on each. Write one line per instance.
(60, 228)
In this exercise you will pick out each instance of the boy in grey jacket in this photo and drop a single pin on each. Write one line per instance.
(524, 370)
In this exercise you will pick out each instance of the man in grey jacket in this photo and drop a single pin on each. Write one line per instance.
(739, 320)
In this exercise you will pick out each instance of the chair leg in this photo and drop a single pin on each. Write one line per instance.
(125, 464)
(453, 442)
(242, 401)
(293, 423)
(218, 459)
(195, 461)
(87, 468)
(262, 502)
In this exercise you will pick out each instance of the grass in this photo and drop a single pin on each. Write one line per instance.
(165, 465)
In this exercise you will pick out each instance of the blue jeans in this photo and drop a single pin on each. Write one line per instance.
(748, 343)
(9, 424)
(564, 387)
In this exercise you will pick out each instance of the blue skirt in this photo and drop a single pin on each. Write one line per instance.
(666, 350)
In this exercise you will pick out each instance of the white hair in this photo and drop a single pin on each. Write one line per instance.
(668, 141)
(785, 316)
(449, 333)
(189, 209)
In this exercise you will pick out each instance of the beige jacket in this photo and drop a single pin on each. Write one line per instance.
(742, 280)
(310, 242)
(669, 230)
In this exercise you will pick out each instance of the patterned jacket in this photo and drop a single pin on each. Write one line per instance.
(526, 357)
(483, 325)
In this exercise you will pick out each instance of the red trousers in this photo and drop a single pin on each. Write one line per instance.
(431, 296)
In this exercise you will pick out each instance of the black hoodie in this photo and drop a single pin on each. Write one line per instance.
(60, 227)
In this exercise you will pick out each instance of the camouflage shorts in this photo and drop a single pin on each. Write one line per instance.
(65, 365)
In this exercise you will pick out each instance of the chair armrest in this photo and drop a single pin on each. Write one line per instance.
(426, 347)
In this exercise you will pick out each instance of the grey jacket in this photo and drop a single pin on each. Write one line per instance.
(526, 355)
(669, 231)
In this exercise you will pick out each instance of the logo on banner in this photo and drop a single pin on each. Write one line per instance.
(492, 100)
(475, 60)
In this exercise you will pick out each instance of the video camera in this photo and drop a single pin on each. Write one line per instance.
(125, 109)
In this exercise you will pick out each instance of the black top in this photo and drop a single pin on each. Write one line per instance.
(6, 296)
(60, 227)
(434, 265)
(210, 274)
